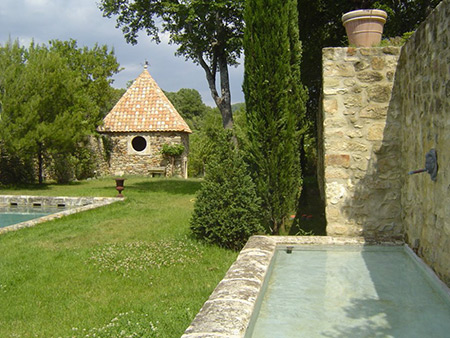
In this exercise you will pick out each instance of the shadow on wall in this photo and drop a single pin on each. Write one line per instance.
(375, 204)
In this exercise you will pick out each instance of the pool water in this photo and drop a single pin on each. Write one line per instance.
(17, 214)
(350, 292)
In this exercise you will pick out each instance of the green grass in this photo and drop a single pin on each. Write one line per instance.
(129, 269)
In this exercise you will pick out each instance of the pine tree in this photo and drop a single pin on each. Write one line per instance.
(275, 101)
(51, 99)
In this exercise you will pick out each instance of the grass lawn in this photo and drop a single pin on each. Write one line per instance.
(129, 269)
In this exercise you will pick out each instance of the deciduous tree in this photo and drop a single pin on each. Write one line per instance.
(207, 32)
(188, 102)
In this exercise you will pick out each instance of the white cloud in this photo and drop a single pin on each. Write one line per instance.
(44, 20)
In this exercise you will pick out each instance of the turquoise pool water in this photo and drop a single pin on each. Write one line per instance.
(17, 214)
(350, 292)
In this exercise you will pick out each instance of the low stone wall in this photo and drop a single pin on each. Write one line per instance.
(360, 143)
(123, 160)
(422, 86)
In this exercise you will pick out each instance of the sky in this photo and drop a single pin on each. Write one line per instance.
(81, 20)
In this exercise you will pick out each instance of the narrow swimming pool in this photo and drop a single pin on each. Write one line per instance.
(17, 214)
(22, 211)
(350, 291)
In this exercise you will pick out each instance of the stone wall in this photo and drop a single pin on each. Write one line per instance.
(124, 160)
(383, 109)
(360, 143)
(422, 86)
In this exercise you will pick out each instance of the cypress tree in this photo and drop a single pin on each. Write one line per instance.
(275, 101)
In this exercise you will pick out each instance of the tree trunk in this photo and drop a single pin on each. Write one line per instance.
(223, 101)
(40, 165)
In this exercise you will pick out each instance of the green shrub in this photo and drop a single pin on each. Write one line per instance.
(62, 168)
(172, 149)
(227, 209)
(15, 169)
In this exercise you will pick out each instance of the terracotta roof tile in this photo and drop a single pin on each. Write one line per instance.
(144, 108)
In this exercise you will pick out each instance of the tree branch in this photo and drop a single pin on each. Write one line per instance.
(210, 77)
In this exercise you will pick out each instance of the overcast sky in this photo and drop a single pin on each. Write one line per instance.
(45, 20)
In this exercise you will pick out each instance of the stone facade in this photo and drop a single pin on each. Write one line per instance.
(360, 147)
(422, 86)
(383, 109)
(124, 160)
(136, 129)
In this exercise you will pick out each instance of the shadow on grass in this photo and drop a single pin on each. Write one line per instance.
(37, 186)
(170, 186)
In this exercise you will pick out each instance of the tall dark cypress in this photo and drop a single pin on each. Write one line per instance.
(275, 101)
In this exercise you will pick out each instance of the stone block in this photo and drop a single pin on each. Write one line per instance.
(379, 93)
(330, 106)
(368, 51)
(390, 75)
(342, 69)
(354, 133)
(349, 82)
(377, 63)
(334, 123)
(391, 50)
(360, 65)
(352, 100)
(351, 51)
(369, 76)
(376, 132)
(337, 173)
(336, 229)
(373, 112)
(337, 160)
(331, 82)
(355, 146)
(336, 192)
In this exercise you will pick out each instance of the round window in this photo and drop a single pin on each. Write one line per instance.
(139, 143)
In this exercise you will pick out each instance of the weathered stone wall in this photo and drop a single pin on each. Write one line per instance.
(422, 86)
(360, 143)
(124, 160)
(383, 109)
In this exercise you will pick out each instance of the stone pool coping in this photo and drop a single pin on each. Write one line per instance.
(76, 204)
(228, 310)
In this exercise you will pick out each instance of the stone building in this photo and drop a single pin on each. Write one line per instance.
(137, 128)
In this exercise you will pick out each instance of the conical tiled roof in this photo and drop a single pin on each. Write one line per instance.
(144, 108)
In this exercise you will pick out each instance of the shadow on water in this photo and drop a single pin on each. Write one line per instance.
(402, 301)
(170, 186)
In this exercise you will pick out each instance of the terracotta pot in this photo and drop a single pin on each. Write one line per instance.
(364, 26)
